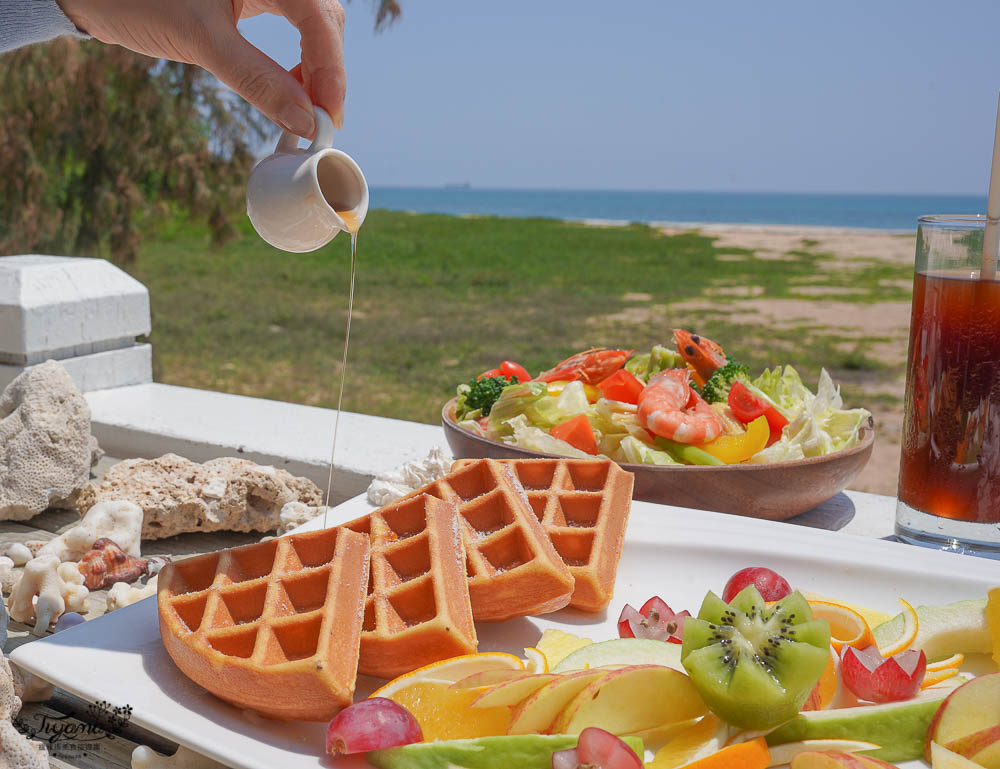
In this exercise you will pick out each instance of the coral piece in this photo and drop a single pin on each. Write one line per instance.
(120, 522)
(7, 574)
(34, 545)
(122, 594)
(155, 564)
(18, 552)
(16, 750)
(184, 758)
(294, 514)
(106, 563)
(44, 442)
(396, 483)
(56, 586)
(178, 495)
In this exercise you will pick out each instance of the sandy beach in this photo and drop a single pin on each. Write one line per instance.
(887, 321)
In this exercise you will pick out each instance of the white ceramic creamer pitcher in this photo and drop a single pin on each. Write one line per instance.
(299, 199)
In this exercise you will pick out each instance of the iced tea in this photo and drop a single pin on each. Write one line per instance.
(950, 464)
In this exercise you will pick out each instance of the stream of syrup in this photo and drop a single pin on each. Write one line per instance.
(353, 223)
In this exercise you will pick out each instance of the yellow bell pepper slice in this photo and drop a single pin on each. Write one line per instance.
(732, 449)
(593, 393)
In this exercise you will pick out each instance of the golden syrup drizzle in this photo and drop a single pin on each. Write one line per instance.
(353, 223)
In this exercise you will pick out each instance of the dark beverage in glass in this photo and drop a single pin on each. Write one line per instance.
(949, 475)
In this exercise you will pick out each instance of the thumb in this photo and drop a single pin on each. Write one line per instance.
(261, 81)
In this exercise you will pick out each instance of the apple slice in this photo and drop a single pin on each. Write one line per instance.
(632, 699)
(783, 754)
(835, 759)
(968, 722)
(536, 714)
(700, 739)
(942, 758)
(513, 692)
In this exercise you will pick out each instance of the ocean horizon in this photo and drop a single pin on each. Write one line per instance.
(840, 211)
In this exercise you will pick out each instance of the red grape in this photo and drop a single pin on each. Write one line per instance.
(875, 679)
(597, 749)
(370, 725)
(771, 585)
(655, 620)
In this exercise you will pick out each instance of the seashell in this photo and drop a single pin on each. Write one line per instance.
(155, 563)
(106, 563)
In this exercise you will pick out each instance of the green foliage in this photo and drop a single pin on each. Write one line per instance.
(98, 143)
(716, 389)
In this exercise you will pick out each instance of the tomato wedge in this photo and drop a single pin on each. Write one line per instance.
(577, 433)
(746, 407)
(621, 386)
(875, 679)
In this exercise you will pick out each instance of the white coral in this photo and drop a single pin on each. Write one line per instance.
(7, 574)
(184, 758)
(294, 514)
(396, 483)
(29, 687)
(16, 750)
(123, 594)
(45, 590)
(121, 522)
(44, 442)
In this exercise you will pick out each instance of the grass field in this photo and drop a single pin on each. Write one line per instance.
(439, 299)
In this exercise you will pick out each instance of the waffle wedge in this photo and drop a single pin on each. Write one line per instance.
(274, 627)
(512, 567)
(417, 610)
(583, 506)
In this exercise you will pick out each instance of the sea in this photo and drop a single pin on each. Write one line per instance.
(859, 211)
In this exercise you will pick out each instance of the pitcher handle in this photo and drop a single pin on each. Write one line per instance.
(289, 142)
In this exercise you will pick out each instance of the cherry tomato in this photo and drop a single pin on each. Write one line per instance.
(771, 585)
(493, 372)
(512, 370)
(875, 679)
(655, 620)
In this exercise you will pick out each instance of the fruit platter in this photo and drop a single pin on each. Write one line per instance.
(690, 423)
(675, 646)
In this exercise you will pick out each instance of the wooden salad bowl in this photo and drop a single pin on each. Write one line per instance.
(775, 492)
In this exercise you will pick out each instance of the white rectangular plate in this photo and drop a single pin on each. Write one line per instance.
(676, 553)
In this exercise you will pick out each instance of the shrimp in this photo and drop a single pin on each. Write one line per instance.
(670, 408)
(699, 352)
(590, 366)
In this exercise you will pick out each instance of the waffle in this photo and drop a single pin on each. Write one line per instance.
(274, 627)
(418, 609)
(583, 506)
(512, 567)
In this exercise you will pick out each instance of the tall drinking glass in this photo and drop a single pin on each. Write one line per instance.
(949, 473)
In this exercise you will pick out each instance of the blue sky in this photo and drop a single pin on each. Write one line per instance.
(873, 96)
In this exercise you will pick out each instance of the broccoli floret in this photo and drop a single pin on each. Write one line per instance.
(716, 389)
(483, 393)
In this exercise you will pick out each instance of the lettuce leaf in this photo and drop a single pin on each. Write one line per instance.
(820, 424)
(633, 450)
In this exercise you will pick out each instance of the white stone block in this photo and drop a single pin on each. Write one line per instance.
(153, 419)
(63, 307)
(100, 370)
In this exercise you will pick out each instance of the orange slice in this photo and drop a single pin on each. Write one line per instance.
(937, 676)
(911, 624)
(744, 755)
(847, 627)
(537, 661)
(825, 693)
(445, 713)
(954, 661)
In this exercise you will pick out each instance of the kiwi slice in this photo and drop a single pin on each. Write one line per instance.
(753, 664)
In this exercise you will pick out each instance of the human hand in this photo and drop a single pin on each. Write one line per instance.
(204, 32)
